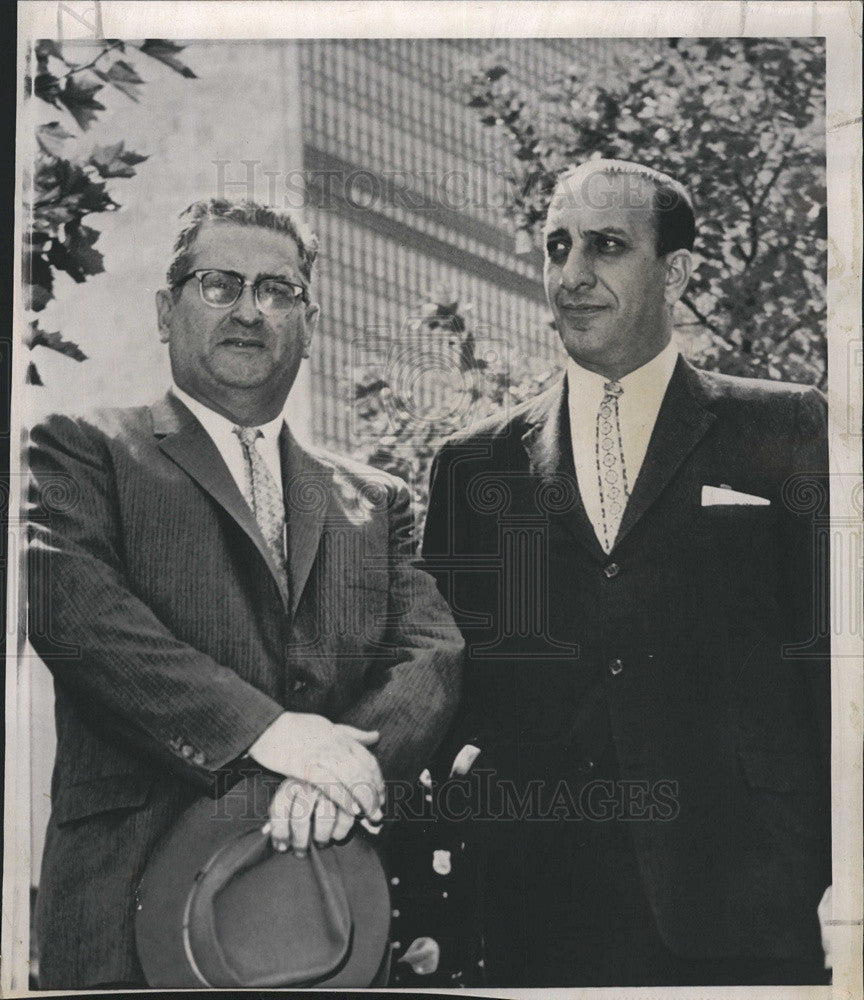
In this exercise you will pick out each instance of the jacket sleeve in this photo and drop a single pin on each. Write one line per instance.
(107, 650)
(806, 544)
(413, 693)
(446, 537)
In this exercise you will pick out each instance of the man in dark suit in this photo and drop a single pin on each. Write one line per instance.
(210, 595)
(632, 565)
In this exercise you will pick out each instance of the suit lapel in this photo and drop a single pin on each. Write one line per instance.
(185, 442)
(307, 483)
(550, 456)
(681, 423)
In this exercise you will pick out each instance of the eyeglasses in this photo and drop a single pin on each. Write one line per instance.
(221, 289)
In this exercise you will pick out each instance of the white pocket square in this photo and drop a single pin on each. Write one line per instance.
(716, 496)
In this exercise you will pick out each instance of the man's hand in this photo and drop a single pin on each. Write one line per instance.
(335, 778)
(299, 810)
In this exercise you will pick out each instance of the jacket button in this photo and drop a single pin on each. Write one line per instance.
(186, 751)
(613, 569)
(298, 685)
(615, 667)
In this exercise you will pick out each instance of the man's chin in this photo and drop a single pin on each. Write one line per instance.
(243, 368)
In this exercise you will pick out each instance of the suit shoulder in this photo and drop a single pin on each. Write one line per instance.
(106, 423)
(738, 389)
(360, 473)
(509, 423)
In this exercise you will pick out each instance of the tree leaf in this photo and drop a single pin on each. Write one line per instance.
(163, 50)
(494, 73)
(46, 87)
(75, 255)
(51, 137)
(79, 101)
(46, 47)
(38, 281)
(114, 161)
(54, 341)
(123, 76)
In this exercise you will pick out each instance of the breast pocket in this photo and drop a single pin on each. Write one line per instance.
(738, 559)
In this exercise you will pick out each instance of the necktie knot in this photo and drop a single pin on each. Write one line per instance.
(613, 389)
(248, 435)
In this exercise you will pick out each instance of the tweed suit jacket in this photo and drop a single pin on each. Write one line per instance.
(701, 637)
(173, 643)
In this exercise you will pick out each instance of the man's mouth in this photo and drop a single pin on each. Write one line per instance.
(581, 307)
(244, 343)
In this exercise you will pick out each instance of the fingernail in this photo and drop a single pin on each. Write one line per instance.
(280, 845)
(298, 853)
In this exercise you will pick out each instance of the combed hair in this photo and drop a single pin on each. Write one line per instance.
(244, 213)
(674, 218)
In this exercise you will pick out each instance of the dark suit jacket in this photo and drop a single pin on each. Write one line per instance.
(155, 603)
(697, 637)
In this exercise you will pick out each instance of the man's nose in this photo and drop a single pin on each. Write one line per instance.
(577, 271)
(246, 309)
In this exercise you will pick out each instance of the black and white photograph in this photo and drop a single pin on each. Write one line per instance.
(434, 553)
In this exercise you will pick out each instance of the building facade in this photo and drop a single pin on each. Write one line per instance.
(406, 190)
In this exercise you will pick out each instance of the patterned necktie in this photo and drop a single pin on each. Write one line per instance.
(264, 497)
(611, 470)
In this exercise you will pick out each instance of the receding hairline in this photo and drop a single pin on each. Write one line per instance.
(245, 214)
(221, 222)
(614, 168)
(668, 201)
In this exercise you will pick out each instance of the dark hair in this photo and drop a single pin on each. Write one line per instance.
(674, 220)
(245, 213)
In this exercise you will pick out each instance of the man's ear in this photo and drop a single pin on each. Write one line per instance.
(312, 313)
(164, 308)
(679, 267)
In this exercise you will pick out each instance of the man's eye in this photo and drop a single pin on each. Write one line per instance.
(607, 245)
(278, 290)
(557, 250)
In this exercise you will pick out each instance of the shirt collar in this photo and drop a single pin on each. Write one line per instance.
(217, 425)
(651, 380)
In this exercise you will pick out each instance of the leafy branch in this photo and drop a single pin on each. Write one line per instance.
(62, 188)
(741, 122)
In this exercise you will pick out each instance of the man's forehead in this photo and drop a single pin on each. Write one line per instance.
(601, 200)
(234, 246)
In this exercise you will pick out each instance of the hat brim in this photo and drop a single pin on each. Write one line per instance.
(201, 831)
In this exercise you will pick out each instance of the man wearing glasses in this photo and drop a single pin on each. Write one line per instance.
(214, 592)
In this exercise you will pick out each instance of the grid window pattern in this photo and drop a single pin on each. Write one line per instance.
(386, 117)
(370, 289)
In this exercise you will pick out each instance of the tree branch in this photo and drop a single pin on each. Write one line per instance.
(704, 320)
(78, 69)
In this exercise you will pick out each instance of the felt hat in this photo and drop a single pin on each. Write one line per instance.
(218, 907)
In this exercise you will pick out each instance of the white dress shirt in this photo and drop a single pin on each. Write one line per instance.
(221, 430)
(638, 407)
